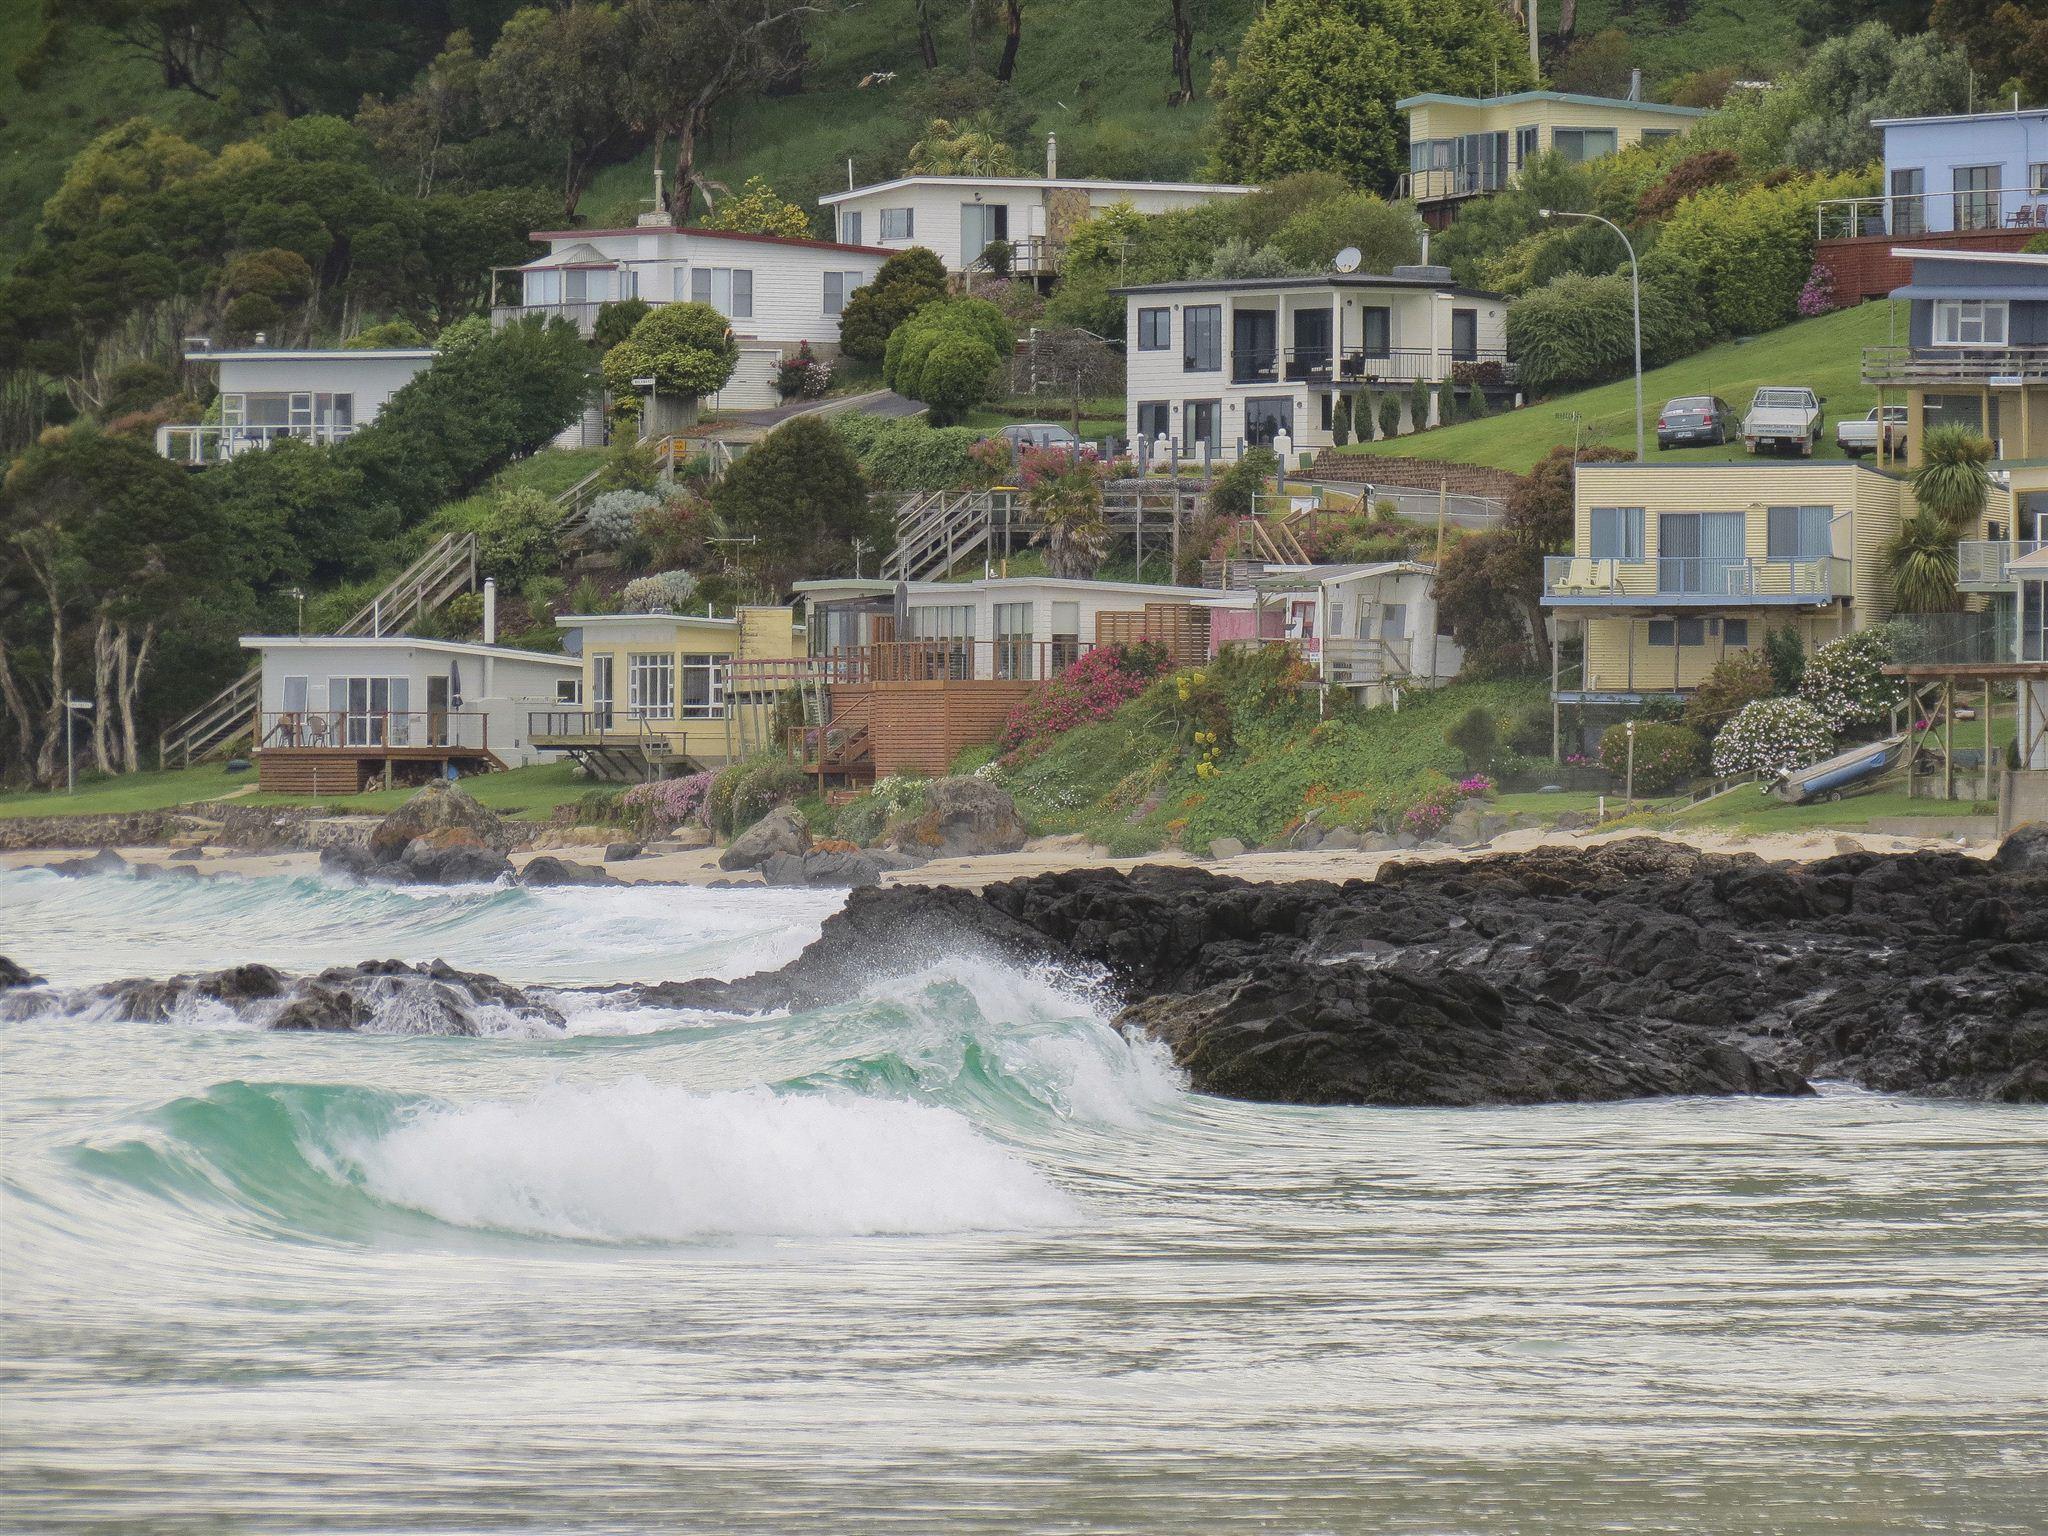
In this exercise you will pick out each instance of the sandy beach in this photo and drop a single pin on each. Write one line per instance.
(699, 867)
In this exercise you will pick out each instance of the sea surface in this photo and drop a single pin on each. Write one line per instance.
(948, 1256)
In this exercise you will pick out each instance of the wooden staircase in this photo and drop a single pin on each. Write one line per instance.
(843, 748)
(937, 529)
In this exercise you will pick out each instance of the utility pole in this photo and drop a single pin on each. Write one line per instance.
(1535, 62)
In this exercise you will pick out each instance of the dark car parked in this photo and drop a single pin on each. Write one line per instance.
(1693, 420)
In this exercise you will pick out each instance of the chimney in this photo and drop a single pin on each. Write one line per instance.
(1052, 156)
(1635, 85)
(490, 610)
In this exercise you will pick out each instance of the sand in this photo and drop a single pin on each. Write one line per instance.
(700, 866)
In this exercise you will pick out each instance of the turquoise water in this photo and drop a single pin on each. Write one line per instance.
(951, 1255)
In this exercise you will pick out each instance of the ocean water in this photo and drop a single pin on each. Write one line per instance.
(950, 1255)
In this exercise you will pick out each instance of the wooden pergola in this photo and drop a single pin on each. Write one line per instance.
(2030, 727)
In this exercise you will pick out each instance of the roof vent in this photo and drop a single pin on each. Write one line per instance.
(1422, 274)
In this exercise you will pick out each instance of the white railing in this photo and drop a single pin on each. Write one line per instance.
(1695, 578)
(215, 444)
(1985, 564)
(1931, 213)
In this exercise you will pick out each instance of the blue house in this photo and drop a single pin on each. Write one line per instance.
(1975, 171)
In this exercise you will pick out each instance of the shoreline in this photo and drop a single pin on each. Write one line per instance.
(1050, 855)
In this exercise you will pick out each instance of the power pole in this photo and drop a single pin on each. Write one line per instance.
(1535, 62)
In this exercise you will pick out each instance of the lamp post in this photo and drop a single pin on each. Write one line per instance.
(1629, 785)
(71, 708)
(300, 594)
(1635, 289)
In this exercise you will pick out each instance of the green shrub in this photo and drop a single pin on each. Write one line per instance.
(1735, 680)
(1786, 653)
(1418, 404)
(518, 540)
(1474, 736)
(1340, 421)
(1527, 730)
(1236, 489)
(949, 354)
(905, 283)
(1772, 736)
(1665, 755)
(743, 792)
(1390, 413)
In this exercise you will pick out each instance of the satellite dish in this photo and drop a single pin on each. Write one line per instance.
(1348, 259)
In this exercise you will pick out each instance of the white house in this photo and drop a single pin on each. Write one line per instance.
(336, 713)
(1005, 627)
(957, 217)
(266, 393)
(1370, 628)
(1237, 362)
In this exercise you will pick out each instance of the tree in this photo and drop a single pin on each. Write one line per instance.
(1920, 565)
(759, 211)
(906, 282)
(1180, 22)
(948, 355)
(971, 147)
(1872, 72)
(1952, 477)
(1385, 234)
(557, 75)
(1481, 586)
(1539, 508)
(2006, 42)
(800, 495)
(687, 349)
(1474, 736)
(1013, 35)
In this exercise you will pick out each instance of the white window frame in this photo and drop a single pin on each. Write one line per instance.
(848, 283)
(849, 226)
(542, 286)
(729, 290)
(1955, 319)
(651, 685)
(712, 668)
(898, 224)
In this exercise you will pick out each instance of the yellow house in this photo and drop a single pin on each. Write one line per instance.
(1466, 146)
(1673, 566)
(668, 693)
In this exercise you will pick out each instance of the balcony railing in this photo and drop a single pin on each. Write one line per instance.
(1254, 365)
(1386, 365)
(1693, 580)
(1006, 659)
(374, 730)
(1982, 565)
(1931, 213)
(582, 313)
(1441, 183)
(214, 444)
(1954, 365)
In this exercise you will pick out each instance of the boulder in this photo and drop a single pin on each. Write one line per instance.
(439, 808)
(1225, 848)
(105, 862)
(613, 852)
(782, 830)
(962, 817)
(1342, 839)
(2025, 849)
(828, 869)
(1378, 842)
(12, 975)
(187, 854)
(353, 863)
(459, 863)
(549, 870)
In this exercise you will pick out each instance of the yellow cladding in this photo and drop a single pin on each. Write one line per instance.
(1620, 658)
(759, 634)
(1449, 120)
(2017, 417)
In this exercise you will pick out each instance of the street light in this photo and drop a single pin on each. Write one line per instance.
(1629, 791)
(300, 594)
(1635, 289)
(71, 707)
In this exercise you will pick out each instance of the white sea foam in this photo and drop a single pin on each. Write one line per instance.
(637, 1161)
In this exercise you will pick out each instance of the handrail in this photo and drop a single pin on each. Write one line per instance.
(1903, 364)
(303, 729)
(1737, 579)
(1905, 216)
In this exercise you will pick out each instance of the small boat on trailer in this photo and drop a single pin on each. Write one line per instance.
(1857, 768)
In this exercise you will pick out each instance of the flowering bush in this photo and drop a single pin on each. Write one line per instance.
(804, 376)
(615, 516)
(1478, 787)
(1664, 754)
(993, 460)
(1772, 736)
(1093, 688)
(666, 803)
(664, 589)
(1818, 296)
(1844, 680)
(864, 819)
(1427, 815)
(1038, 466)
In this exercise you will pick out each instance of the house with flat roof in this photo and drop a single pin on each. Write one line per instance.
(1674, 566)
(337, 714)
(959, 217)
(1217, 365)
(1972, 181)
(1469, 146)
(318, 395)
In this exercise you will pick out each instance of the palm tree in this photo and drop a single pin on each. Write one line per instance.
(1951, 479)
(1920, 562)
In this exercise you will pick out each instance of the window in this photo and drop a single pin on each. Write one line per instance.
(951, 624)
(729, 290)
(2034, 620)
(1735, 631)
(1393, 621)
(368, 711)
(651, 687)
(1577, 144)
(1665, 632)
(849, 227)
(1618, 534)
(1976, 190)
(1013, 640)
(335, 414)
(1798, 533)
(839, 287)
(1202, 421)
(1465, 335)
(1266, 418)
(1327, 409)
(981, 225)
(629, 282)
(703, 687)
(1154, 420)
(1699, 552)
(1525, 144)
(600, 693)
(1155, 330)
(1909, 203)
(569, 690)
(2037, 179)
(1201, 338)
(1337, 616)
(1066, 635)
(1378, 332)
(1953, 411)
(544, 286)
(899, 224)
(1969, 322)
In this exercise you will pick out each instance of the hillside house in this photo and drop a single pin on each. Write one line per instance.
(1232, 363)
(317, 395)
(1975, 181)
(337, 714)
(959, 217)
(1674, 566)
(1468, 146)
(1371, 629)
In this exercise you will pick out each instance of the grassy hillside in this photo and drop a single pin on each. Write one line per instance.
(1826, 354)
(1755, 40)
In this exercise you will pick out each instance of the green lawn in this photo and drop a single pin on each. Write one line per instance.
(1824, 354)
(529, 793)
(1750, 810)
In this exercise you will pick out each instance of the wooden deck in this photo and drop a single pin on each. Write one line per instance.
(351, 770)
(920, 727)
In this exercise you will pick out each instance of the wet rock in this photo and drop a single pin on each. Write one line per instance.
(829, 868)
(105, 862)
(1342, 839)
(613, 852)
(962, 817)
(456, 863)
(439, 808)
(342, 859)
(782, 830)
(12, 975)
(1225, 848)
(186, 855)
(2025, 849)
(546, 869)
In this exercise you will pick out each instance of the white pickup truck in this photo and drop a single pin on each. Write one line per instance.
(1857, 437)
(1782, 418)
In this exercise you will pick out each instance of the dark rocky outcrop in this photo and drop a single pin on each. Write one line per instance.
(105, 862)
(13, 975)
(783, 830)
(614, 852)
(827, 868)
(547, 869)
(439, 808)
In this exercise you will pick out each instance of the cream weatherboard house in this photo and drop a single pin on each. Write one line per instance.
(777, 291)
(318, 395)
(1216, 365)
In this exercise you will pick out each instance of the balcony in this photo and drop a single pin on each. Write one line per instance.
(1254, 365)
(1443, 183)
(1932, 214)
(197, 446)
(1996, 366)
(1572, 581)
(1982, 565)
(1358, 366)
